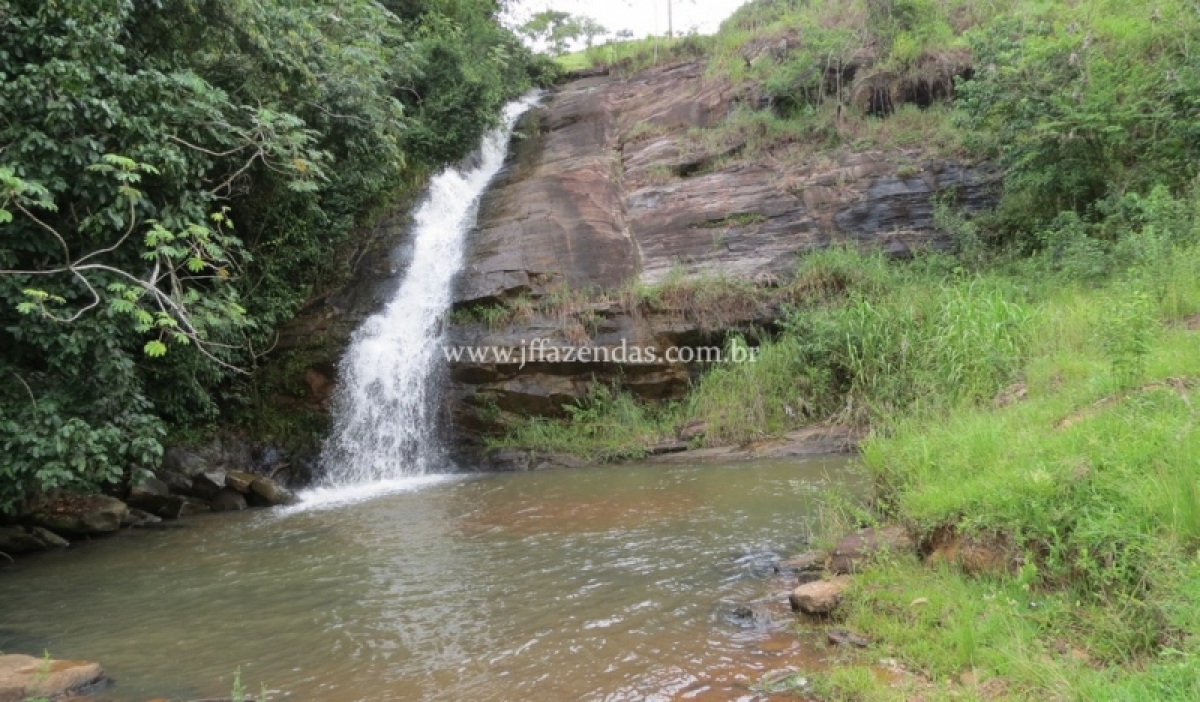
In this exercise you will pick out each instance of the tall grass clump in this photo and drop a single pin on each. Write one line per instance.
(1088, 483)
(741, 402)
(874, 339)
(607, 425)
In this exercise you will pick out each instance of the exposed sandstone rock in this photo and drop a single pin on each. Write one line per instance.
(810, 441)
(239, 481)
(693, 430)
(25, 677)
(820, 596)
(607, 184)
(265, 492)
(575, 203)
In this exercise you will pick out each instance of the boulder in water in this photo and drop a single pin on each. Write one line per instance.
(177, 507)
(239, 481)
(820, 597)
(140, 518)
(812, 561)
(49, 538)
(25, 677)
(15, 541)
(81, 515)
(207, 484)
(149, 495)
(228, 500)
(265, 492)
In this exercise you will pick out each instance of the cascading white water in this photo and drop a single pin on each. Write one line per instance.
(383, 414)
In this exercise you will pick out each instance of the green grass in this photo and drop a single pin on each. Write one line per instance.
(627, 57)
(575, 61)
(608, 425)
(1093, 477)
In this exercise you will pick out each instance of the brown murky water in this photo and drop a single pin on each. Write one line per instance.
(617, 583)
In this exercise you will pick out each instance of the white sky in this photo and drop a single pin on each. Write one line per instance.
(643, 17)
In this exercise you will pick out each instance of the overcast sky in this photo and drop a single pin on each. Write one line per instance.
(643, 17)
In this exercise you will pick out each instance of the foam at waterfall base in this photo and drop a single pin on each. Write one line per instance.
(330, 497)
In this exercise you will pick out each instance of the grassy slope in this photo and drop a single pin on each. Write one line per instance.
(1089, 471)
(1094, 479)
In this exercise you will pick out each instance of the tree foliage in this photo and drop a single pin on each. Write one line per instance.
(134, 134)
(1082, 109)
(558, 30)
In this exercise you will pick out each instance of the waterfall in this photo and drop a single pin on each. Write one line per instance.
(385, 407)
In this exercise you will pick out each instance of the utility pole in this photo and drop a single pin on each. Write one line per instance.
(670, 22)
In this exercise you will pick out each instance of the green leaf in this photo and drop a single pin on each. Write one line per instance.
(155, 349)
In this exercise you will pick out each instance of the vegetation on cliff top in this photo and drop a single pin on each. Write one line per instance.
(177, 177)
(1083, 145)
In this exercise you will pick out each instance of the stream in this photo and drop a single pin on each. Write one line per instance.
(613, 583)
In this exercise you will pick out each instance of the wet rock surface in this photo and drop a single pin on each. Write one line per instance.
(178, 507)
(820, 596)
(229, 500)
(81, 515)
(150, 494)
(26, 678)
(18, 540)
(265, 492)
(217, 477)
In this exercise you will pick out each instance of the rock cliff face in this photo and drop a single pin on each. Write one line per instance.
(612, 183)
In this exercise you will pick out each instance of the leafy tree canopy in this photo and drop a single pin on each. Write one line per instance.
(557, 30)
(176, 177)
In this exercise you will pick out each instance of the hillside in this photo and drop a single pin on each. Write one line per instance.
(1023, 359)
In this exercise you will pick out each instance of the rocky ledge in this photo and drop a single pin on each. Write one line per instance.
(616, 183)
(189, 482)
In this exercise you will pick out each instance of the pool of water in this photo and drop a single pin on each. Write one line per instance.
(617, 583)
